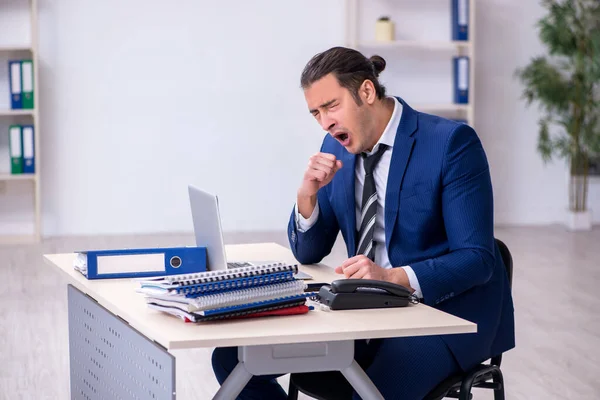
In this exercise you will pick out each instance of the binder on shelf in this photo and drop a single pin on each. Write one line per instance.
(28, 149)
(27, 86)
(14, 72)
(460, 20)
(15, 144)
(137, 263)
(461, 79)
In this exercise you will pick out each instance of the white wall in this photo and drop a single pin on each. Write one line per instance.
(140, 98)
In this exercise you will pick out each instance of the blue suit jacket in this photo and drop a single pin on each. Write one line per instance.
(438, 220)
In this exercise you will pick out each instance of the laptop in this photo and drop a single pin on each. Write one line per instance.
(209, 233)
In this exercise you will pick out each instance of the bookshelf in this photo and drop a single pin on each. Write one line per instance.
(420, 44)
(408, 47)
(8, 113)
(13, 49)
(20, 177)
(25, 116)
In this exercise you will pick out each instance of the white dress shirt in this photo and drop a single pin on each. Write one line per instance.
(380, 174)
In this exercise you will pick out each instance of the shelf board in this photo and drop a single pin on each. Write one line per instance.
(17, 177)
(7, 113)
(422, 44)
(12, 49)
(17, 239)
(429, 108)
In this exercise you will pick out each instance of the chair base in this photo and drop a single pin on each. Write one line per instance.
(459, 386)
(333, 386)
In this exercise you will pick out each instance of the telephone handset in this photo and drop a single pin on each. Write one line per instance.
(347, 294)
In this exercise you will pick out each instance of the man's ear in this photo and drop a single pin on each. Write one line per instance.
(367, 92)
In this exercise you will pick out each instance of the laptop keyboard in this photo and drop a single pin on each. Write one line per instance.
(299, 275)
(238, 264)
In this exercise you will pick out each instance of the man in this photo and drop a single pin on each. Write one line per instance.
(411, 194)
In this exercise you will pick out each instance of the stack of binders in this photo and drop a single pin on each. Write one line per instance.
(253, 291)
(21, 84)
(22, 149)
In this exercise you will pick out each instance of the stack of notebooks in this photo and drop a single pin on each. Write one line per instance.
(252, 291)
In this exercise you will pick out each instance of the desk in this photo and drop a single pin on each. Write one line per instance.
(120, 347)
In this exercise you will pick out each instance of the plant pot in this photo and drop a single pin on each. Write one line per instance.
(579, 220)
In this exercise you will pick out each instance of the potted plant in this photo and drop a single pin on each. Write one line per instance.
(566, 85)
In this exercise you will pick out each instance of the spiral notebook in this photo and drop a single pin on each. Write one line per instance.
(241, 272)
(223, 299)
(208, 282)
(258, 308)
(224, 294)
(276, 310)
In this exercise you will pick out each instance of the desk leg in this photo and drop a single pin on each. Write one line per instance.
(235, 382)
(360, 382)
(297, 357)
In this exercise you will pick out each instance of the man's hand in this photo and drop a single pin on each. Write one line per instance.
(320, 171)
(361, 267)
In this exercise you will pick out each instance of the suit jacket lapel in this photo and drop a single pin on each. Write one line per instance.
(348, 179)
(403, 144)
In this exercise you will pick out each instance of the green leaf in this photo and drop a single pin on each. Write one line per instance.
(556, 29)
(562, 146)
(544, 82)
(544, 142)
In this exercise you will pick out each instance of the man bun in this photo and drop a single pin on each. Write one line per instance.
(351, 68)
(378, 64)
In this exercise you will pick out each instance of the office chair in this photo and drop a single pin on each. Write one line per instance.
(333, 386)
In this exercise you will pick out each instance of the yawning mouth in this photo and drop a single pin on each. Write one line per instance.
(342, 137)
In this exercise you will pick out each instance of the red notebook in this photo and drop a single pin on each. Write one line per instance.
(293, 310)
(303, 309)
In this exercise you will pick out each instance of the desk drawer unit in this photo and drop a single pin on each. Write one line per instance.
(111, 360)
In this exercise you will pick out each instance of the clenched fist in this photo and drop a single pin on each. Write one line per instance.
(320, 171)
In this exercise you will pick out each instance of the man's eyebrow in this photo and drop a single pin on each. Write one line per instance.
(324, 105)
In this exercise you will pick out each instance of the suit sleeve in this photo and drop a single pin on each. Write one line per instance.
(467, 207)
(314, 244)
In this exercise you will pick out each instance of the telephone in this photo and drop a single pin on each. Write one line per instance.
(349, 294)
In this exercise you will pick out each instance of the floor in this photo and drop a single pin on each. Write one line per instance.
(556, 301)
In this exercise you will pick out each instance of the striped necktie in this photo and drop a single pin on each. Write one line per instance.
(366, 245)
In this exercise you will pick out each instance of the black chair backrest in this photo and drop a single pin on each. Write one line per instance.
(508, 264)
(507, 259)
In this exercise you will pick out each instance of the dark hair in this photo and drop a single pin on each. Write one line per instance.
(350, 67)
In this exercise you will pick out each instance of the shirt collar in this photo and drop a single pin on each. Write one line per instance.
(389, 133)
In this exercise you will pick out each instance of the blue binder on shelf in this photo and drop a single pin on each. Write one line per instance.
(140, 263)
(16, 92)
(461, 79)
(460, 20)
(28, 149)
